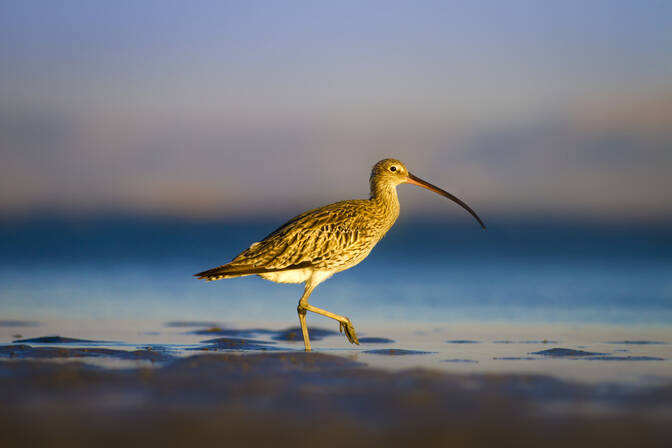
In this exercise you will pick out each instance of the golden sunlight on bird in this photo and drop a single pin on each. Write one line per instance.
(317, 244)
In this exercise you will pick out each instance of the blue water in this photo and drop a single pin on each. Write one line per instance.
(519, 270)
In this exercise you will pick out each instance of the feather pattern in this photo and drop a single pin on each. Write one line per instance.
(331, 238)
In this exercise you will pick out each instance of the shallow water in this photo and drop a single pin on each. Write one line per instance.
(496, 296)
(472, 348)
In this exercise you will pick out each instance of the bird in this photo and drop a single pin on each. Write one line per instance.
(315, 245)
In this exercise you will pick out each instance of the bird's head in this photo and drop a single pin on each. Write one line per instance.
(393, 172)
(389, 171)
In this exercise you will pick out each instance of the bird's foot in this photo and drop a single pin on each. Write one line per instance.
(349, 331)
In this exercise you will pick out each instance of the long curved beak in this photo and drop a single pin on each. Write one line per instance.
(411, 179)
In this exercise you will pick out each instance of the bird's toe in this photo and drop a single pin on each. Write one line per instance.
(349, 331)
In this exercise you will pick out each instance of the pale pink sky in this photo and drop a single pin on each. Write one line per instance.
(252, 108)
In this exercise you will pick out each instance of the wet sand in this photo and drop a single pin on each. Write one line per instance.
(326, 400)
(264, 391)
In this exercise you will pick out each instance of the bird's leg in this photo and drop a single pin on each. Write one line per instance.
(302, 308)
(345, 324)
(304, 328)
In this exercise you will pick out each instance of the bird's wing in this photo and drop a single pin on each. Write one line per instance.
(324, 237)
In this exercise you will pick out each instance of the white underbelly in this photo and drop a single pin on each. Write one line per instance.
(293, 276)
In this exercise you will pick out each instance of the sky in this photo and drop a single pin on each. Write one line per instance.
(231, 109)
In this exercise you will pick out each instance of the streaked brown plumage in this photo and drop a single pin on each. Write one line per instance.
(316, 244)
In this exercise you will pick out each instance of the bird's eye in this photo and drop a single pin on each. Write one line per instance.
(393, 168)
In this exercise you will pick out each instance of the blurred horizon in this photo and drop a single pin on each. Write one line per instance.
(446, 273)
(261, 110)
(451, 216)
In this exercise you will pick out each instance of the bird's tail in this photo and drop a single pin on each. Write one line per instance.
(234, 270)
(224, 271)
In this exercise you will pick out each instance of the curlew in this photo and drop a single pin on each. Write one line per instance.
(316, 244)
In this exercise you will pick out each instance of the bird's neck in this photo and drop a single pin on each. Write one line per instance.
(384, 197)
